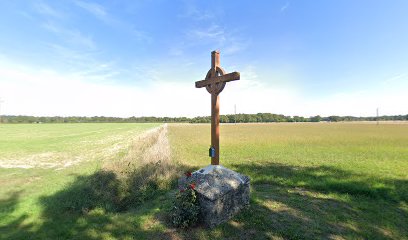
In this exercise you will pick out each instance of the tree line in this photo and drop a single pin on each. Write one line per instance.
(231, 118)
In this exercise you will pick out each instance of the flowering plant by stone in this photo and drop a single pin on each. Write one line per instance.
(185, 210)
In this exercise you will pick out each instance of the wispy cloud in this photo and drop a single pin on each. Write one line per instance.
(175, 51)
(192, 12)
(101, 13)
(93, 8)
(211, 33)
(72, 36)
(28, 90)
(250, 76)
(69, 37)
(86, 65)
(218, 37)
(207, 29)
(25, 15)
(76, 51)
(235, 45)
(284, 7)
(396, 78)
(47, 10)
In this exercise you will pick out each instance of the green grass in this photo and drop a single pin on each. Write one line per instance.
(70, 140)
(308, 181)
(28, 196)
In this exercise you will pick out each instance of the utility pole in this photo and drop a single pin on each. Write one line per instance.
(377, 117)
(235, 113)
(1, 101)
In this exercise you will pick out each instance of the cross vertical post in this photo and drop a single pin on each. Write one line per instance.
(215, 128)
(215, 113)
(215, 82)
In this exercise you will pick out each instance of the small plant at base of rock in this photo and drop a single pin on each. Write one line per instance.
(185, 210)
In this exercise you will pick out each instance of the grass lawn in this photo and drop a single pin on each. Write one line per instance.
(308, 181)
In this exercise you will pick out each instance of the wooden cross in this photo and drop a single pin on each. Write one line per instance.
(214, 82)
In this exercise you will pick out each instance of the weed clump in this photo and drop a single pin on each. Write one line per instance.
(185, 211)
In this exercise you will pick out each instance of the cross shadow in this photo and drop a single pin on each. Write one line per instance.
(287, 202)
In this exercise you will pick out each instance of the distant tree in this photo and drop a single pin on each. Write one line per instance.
(316, 118)
(239, 118)
(298, 119)
(334, 118)
(259, 117)
(223, 119)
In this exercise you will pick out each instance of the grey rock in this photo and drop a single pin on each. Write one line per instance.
(221, 193)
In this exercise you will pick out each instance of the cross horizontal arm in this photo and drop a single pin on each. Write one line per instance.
(224, 78)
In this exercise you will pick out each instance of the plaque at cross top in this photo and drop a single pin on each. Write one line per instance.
(214, 82)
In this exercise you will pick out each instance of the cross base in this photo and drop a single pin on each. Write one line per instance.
(221, 193)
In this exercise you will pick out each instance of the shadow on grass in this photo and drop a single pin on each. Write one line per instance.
(290, 202)
(321, 203)
(103, 205)
(7, 207)
(286, 203)
(9, 204)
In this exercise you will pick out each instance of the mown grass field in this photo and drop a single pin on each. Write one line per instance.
(308, 181)
(39, 154)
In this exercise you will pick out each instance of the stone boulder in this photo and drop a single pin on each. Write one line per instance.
(221, 193)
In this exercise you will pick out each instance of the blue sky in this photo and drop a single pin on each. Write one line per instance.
(125, 58)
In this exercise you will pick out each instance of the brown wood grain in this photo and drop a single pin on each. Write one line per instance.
(218, 79)
(214, 82)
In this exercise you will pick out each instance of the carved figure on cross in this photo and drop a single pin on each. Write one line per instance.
(214, 82)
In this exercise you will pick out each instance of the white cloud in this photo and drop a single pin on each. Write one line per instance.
(174, 51)
(284, 7)
(396, 78)
(251, 95)
(212, 33)
(235, 46)
(29, 91)
(194, 14)
(37, 92)
(101, 13)
(85, 64)
(47, 10)
(361, 103)
(93, 8)
(72, 36)
(206, 29)
(216, 36)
